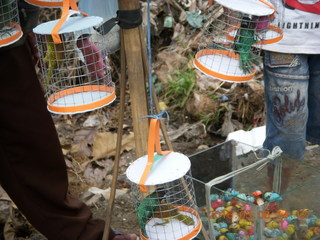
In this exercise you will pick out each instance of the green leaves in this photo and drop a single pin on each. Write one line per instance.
(179, 89)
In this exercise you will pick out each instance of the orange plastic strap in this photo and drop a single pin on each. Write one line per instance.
(45, 3)
(153, 142)
(269, 5)
(210, 2)
(13, 37)
(65, 11)
(212, 73)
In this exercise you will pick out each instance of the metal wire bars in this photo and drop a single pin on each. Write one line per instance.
(10, 30)
(168, 210)
(76, 73)
(231, 44)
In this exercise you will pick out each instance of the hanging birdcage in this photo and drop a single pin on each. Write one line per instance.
(46, 3)
(231, 44)
(74, 64)
(163, 193)
(10, 29)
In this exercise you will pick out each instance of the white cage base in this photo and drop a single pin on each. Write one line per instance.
(157, 229)
(10, 34)
(79, 100)
(221, 64)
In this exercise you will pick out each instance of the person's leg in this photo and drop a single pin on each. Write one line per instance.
(286, 92)
(32, 167)
(286, 79)
(313, 125)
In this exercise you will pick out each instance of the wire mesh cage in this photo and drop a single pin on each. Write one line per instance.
(74, 63)
(273, 199)
(165, 201)
(10, 29)
(46, 3)
(231, 44)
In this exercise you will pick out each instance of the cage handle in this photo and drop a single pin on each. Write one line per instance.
(64, 17)
(153, 143)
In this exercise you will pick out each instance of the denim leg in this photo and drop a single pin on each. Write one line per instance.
(313, 125)
(286, 93)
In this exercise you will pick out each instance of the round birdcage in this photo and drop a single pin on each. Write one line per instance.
(74, 63)
(10, 29)
(46, 3)
(231, 44)
(163, 193)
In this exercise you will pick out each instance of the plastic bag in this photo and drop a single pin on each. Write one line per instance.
(102, 8)
(106, 9)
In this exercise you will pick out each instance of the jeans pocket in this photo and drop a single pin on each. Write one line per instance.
(281, 60)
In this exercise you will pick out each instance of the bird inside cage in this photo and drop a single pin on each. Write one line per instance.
(244, 42)
(158, 205)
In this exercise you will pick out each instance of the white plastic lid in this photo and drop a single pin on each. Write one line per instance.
(251, 7)
(72, 24)
(168, 168)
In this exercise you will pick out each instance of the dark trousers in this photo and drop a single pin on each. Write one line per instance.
(32, 167)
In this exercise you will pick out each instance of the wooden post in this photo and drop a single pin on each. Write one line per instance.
(136, 78)
(132, 66)
(107, 226)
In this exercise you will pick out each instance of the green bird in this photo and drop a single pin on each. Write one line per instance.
(243, 42)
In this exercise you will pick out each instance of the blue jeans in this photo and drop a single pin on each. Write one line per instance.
(292, 92)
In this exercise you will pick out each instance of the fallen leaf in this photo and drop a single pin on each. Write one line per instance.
(227, 126)
(95, 120)
(94, 194)
(95, 175)
(83, 139)
(195, 19)
(104, 144)
(200, 104)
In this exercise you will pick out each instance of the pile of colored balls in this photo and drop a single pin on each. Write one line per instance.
(235, 215)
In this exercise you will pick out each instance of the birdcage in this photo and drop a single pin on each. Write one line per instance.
(248, 197)
(231, 44)
(46, 3)
(74, 63)
(10, 29)
(163, 193)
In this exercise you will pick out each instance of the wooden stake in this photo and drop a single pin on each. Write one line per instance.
(136, 78)
(108, 218)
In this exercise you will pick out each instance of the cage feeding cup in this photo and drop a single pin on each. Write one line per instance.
(163, 193)
(10, 29)
(74, 63)
(231, 44)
